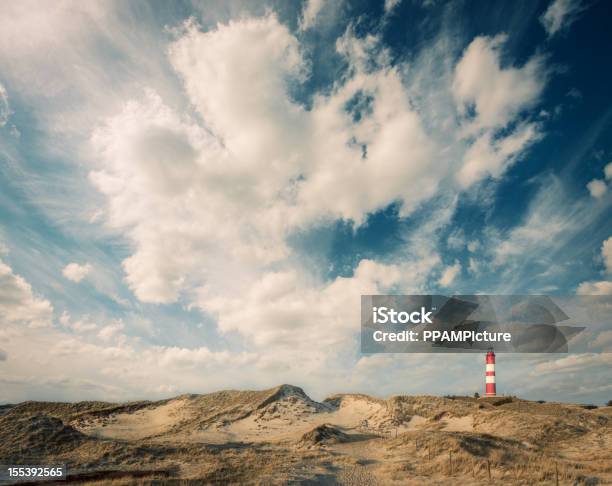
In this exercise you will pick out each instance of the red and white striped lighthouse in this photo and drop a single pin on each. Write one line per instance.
(490, 375)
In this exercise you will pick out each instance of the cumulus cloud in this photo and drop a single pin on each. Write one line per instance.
(357, 150)
(19, 304)
(264, 167)
(560, 14)
(595, 288)
(285, 310)
(113, 367)
(209, 201)
(76, 272)
(597, 188)
(489, 98)
(495, 94)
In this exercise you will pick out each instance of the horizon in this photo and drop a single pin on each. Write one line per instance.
(325, 398)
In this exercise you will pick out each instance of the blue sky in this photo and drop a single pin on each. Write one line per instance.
(194, 195)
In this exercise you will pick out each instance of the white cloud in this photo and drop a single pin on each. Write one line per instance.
(449, 274)
(111, 330)
(490, 156)
(560, 14)
(286, 311)
(456, 240)
(391, 4)
(546, 220)
(473, 266)
(576, 362)
(608, 171)
(54, 365)
(597, 188)
(81, 325)
(602, 287)
(606, 253)
(228, 187)
(19, 304)
(214, 209)
(540, 251)
(56, 56)
(76, 272)
(595, 288)
(496, 94)
(310, 12)
(489, 98)
(177, 358)
(5, 110)
(473, 246)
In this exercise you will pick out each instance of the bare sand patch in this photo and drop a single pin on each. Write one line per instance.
(147, 422)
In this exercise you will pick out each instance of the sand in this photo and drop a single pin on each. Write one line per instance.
(138, 425)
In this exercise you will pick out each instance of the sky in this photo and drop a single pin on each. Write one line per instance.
(194, 195)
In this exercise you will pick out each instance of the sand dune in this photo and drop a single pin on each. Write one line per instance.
(281, 436)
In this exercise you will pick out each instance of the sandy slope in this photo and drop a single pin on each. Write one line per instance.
(148, 422)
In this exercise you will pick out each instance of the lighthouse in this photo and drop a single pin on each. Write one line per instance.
(490, 375)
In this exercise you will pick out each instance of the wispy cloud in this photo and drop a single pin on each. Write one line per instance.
(5, 110)
(560, 14)
(310, 13)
